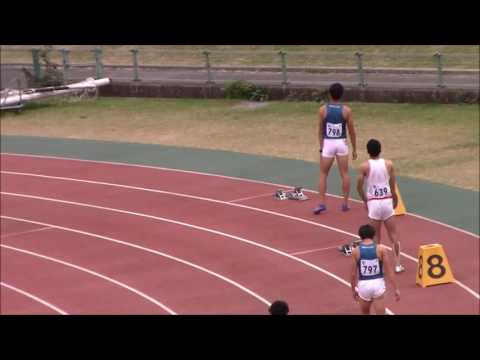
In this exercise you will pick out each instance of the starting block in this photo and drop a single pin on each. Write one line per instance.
(295, 194)
(281, 195)
(347, 249)
(433, 267)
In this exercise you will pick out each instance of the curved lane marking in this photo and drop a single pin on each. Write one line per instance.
(225, 177)
(149, 250)
(282, 253)
(462, 285)
(35, 298)
(91, 272)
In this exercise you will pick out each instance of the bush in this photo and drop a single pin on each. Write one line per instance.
(244, 90)
(51, 75)
(259, 94)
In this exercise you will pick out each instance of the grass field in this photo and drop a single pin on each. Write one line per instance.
(433, 142)
(456, 56)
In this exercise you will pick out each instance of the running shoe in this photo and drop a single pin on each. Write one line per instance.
(345, 208)
(319, 209)
(399, 269)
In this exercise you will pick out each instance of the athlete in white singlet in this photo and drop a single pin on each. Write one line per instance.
(377, 177)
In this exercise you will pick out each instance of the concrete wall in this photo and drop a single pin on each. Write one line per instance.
(368, 94)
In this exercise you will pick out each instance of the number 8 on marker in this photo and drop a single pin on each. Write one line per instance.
(438, 264)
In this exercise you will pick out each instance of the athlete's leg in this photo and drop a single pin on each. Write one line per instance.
(392, 234)
(325, 165)
(342, 162)
(377, 224)
(378, 234)
(364, 306)
(379, 305)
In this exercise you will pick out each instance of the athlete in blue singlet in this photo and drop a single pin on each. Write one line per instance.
(370, 263)
(335, 119)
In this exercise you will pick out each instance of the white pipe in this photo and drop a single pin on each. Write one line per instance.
(15, 97)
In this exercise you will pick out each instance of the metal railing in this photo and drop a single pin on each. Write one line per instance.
(101, 62)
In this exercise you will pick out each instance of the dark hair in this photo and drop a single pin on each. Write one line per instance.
(336, 91)
(366, 232)
(279, 307)
(374, 147)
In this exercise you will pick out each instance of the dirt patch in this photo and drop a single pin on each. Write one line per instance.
(250, 105)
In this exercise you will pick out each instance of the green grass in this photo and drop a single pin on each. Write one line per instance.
(434, 142)
(456, 56)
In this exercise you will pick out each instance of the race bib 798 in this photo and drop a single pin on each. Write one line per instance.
(334, 130)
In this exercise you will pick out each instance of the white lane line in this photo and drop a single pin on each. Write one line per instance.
(35, 298)
(182, 195)
(94, 273)
(465, 287)
(24, 232)
(282, 253)
(149, 250)
(251, 197)
(220, 176)
(443, 224)
(313, 250)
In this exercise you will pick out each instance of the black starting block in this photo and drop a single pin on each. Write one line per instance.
(295, 194)
(281, 195)
(348, 248)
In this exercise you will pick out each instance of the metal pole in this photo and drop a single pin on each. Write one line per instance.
(207, 64)
(98, 62)
(66, 63)
(284, 67)
(37, 71)
(19, 93)
(361, 77)
(135, 64)
(439, 58)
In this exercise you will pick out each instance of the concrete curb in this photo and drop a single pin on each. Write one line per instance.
(293, 93)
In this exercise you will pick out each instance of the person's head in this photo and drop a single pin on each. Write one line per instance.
(366, 232)
(279, 307)
(336, 91)
(374, 148)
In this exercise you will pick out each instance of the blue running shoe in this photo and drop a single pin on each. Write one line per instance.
(319, 209)
(345, 207)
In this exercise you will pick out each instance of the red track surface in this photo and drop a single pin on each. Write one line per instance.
(237, 252)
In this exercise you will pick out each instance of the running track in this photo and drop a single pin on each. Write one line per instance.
(86, 237)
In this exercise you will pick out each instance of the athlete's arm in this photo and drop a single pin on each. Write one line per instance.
(353, 277)
(389, 270)
(392, 183)
(321, 119)
(362, 172)
(351, 131)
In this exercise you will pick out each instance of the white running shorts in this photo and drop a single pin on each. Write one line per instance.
(333, 147)
(380, 209)
(371, 289)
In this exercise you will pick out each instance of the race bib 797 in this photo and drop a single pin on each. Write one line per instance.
(369, 267)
